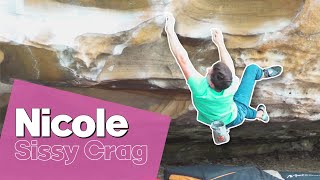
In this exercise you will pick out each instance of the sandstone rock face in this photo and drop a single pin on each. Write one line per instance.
(122, 44)
(102, 47)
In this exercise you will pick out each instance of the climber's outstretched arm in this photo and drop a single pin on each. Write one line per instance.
(179, 53)
(217, 38)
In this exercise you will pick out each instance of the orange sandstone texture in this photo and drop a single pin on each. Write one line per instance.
(122, 44)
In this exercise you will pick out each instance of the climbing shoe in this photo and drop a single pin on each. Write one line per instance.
(265, 116)
(272, 71)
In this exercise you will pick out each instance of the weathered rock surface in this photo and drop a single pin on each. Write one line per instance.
(118, 51)
(87, 43)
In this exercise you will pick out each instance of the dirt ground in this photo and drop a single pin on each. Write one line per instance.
(293, 161)
(290, 161)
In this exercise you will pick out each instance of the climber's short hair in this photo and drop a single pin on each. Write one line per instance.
(221, 76)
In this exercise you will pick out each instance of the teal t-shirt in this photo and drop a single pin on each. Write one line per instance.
(210, 104)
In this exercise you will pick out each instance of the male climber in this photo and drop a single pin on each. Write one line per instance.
(218, 95)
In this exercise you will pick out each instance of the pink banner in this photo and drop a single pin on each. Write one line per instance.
(51, 134)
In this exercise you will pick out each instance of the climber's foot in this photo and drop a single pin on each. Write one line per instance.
(272, 72)
(264, 117)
